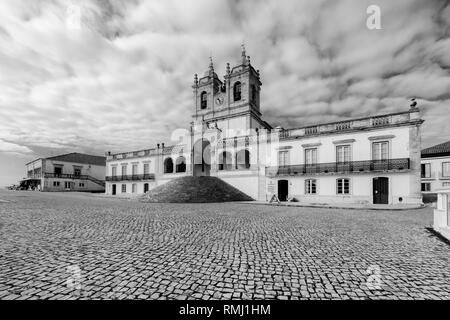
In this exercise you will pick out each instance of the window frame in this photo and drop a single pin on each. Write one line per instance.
(428, 184)
(448, 171)
(310, 184)
(286, 158)
(123, 188)
(374, 143)
(340, 183)
(203, 100)
(313, 152)
(344, 147)
(237, 91)
(423, 173)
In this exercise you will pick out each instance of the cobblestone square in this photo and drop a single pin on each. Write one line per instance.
(86, 246)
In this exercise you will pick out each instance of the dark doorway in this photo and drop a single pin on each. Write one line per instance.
(145, 187)
(381, 190)
(202, 157)
(113, 189)
(283, 190)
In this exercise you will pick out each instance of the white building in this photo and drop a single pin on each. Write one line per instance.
(67, 172)
(435, 170)
(375, 159)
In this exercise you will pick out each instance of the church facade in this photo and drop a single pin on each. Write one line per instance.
(375, 159)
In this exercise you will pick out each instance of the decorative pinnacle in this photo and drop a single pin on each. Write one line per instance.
(228, 68)
(243, 54)
(211, 65)
(248, 60)
(195, 79)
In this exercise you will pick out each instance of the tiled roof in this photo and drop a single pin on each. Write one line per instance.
(80, 158)
(442, 149)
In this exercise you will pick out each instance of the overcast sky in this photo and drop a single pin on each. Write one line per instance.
(122, 80)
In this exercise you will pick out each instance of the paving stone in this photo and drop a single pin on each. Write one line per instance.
(129, 250)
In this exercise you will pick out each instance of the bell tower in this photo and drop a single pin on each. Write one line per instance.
(243, 84)
(231, 104)
(205, 90)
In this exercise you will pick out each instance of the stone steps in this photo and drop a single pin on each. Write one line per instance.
(195, 190)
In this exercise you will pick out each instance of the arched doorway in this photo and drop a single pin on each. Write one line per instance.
(180, 164)
(168, 165)
(202, 158)
(283, 190)
(243, 159)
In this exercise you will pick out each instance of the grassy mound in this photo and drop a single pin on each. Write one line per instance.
(195, 190)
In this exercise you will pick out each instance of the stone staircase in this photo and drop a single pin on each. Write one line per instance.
(97, 181)
(195, 190)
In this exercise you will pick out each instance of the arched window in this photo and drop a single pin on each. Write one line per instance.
(243, 159)
(180, 164)
(253, 93)
(225, 161)
(237, 91)
(168, 165)
(203, 100)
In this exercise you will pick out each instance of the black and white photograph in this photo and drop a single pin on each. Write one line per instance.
(235, 152)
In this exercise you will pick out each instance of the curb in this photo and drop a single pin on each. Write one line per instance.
(334, 207)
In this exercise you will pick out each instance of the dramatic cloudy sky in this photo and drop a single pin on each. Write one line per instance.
(122, 80)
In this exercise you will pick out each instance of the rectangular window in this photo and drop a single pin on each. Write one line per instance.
(310, 156)
(380, 150)
(77, 171)
(58, 171)
(343, 154)
(426, 170)
(134, 188)
(310, 186)
(283, 158)
(146, 168)
(56, 183)
(343, 186)
(426, 186)
(124, 170)
(446, 169)
(134, 169)
(114, 171)
(446, 184)
(81, 185)
(67, 184)
(124, 188)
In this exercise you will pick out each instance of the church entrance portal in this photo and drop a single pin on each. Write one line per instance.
(202, 158)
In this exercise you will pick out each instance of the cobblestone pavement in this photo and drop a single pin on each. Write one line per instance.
(81, 246)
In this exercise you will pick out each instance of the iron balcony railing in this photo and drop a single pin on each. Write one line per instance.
(341, 167)
(65, 176)
(131, 177)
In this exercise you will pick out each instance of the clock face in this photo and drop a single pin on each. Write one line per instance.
(219, 101)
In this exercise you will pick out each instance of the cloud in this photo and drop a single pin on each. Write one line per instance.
(12, 148)
(122, 81)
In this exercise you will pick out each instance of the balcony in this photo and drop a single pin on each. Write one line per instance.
(133, 177)
(338, 168)
(65, 176)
